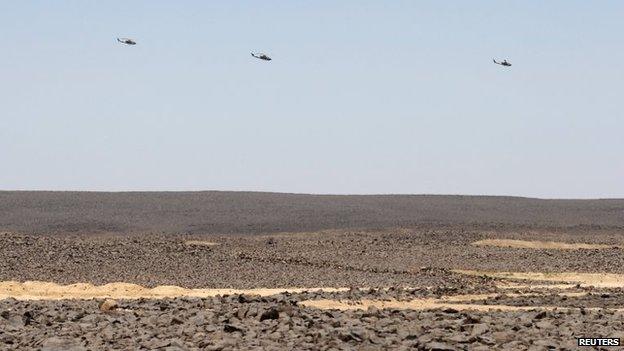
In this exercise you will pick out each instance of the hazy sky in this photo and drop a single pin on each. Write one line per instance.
(361, 96)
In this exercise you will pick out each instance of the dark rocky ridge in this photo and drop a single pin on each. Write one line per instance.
(212, 212)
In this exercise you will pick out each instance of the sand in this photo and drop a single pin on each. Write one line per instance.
(602, 280)
(34, 290)
(446, 302)
(549, 245)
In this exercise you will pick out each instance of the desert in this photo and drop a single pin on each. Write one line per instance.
(226, 271)
(311, 175)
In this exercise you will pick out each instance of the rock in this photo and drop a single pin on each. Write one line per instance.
(372, 311)
(155, 343)
(251, 312)
(424, 339)
(289, 309)
(525, 320)
(362, 348)
(189, 330)
(15, 322)
(513, 345)
(176, 321)
(198, 320)
(163, 305)
(107, 333)
(229, 328)
(328, 314)
(60, 344)
(549, 344)
(459, 338)
(374, 339)
(7, 339)
(5, 314)
(223, 343)
(486, 340)
(275, 336)
(502, 336)
(471, 319)
(76, 316)
(108, 305)
(92, 318)
(355, 335)
(164, 320)
(544, 325)
(479, 329)
(242, 312)
(438, 346)
(272, 313)
(176, 345)
(27, 317)
(199, 338)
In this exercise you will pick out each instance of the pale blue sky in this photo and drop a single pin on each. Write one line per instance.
(361, 97)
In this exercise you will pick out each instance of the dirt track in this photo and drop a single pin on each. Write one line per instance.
(429, 299)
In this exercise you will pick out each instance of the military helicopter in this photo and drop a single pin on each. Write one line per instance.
(126, 41)
(261, 56)
(502, 63)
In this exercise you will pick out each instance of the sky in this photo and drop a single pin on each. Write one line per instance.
(362, 97)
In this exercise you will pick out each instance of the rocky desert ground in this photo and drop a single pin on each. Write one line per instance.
(230, 271)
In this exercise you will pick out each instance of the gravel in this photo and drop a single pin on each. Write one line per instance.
(278, 323)
(340, 258)
(222, 212)
(141, 238)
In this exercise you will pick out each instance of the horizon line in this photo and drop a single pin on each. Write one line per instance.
(313, 194)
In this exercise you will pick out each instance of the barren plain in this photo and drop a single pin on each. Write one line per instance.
(227, 271)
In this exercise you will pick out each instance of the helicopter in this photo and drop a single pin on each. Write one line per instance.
(261, 56)
(126, 41)
(502, 63)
